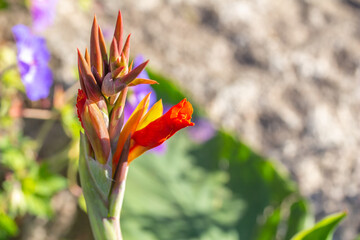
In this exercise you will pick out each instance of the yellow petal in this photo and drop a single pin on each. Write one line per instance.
(154, 113)
(130, 127)
(136, 152)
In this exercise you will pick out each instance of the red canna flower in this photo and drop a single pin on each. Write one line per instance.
(104, 79)
(152, 129)
(159, 130)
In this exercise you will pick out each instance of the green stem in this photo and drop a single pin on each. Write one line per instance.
(104, 215)
(114, 228)
(116, 196)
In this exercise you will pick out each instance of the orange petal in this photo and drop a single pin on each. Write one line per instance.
(138, 81)
(130, 127)
(161, 129)
(135, 152)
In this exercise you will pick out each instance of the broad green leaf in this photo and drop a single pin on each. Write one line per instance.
(323, 230)
(253, 179)
(169, 197)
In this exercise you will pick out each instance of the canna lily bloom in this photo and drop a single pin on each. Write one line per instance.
(149, 130)
(162, 128)
(112, 140)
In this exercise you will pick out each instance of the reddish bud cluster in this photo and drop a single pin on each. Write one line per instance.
(104, 79)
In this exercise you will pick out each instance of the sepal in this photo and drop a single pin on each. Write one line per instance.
(139, 81)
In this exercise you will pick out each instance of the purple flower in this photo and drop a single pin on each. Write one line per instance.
(43, 13)
(33, 58)
(202, 131)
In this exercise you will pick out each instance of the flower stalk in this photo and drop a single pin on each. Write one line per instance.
(110, 144)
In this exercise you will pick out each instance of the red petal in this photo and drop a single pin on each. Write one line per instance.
(80, 102)
(156, 132)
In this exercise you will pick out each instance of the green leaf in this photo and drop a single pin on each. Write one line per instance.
(71, 123)
(269, 229)
(82, 203)
(14, 159)
(12, 80)
(3, 4)
(169, 197)
(8, 227)
(254, 179)
(38, 206)
(299, 218)
(46, 182)
(323, 230)
(50, 185)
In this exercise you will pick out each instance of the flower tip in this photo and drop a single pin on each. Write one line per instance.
(185, 112)
(80, 56)
(119, 30)
(95, 21)
(119, 19)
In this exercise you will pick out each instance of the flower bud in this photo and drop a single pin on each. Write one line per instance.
(94, 125)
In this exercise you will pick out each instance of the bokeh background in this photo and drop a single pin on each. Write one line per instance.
(281, 76)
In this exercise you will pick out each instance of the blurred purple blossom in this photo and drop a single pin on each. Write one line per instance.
(137, 61)
(161, 149)
(137, 93)
(33, 57)
(43, 13)
(202, 131)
